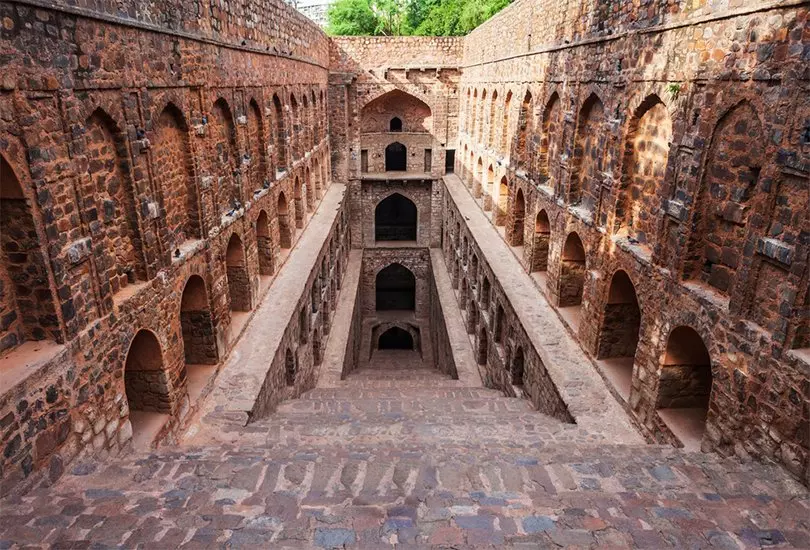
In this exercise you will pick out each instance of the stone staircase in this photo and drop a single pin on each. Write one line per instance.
(402, 455)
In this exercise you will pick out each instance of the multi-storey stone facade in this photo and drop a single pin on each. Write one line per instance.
(651, 169)
(157, 167)
(162, 165)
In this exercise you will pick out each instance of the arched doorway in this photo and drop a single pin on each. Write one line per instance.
(309, 190)
(396, 157)
(199, 337)
(284, 227)
(618, 337)
(619, 334)
(290, 368)
(264, 244)
(483, 347)
(395, 219)
(517, 220)
(395, 125)
(147, 387)
(516, 369)
(542, 239)
(395, 338)
(685, 386)
(572, 272)
(238, 280)
(503, 201)
(395, 289)
(22, 261)
(299, 202)
(489, 191)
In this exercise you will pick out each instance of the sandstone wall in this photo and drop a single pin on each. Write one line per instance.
(672, 142)
(144, 146)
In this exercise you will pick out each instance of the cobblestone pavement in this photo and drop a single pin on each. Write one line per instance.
(410, 459)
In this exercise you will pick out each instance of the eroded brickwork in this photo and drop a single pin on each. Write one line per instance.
(674, 156)
(135, 147)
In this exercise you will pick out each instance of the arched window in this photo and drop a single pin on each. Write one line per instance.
(395, 125)
(396, 157)
(395, 288)
(395, 219)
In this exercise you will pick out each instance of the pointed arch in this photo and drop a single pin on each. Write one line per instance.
(550, 140)
(146, 383)
(396, 157)
(525, 130)
(507, 107)
(264, 244)
(542, 242)
(730, 178)
(588, 159)
(121, 258)
(503, 202)
(395, 288)
(223, 134)
(257, 148)
(395, 219)
(518, 215)
(237, 274)
(27, 305)
(171, 151)
(197, 324)
(646, 154)
(299, 202)
(572, 272)
(280, 133)
(284, 224)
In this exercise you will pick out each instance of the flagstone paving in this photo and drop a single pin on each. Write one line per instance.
(407, 458)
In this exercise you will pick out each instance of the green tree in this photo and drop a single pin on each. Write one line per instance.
(404, 17)
(352, 18)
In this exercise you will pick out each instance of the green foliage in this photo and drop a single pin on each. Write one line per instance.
(410, 17)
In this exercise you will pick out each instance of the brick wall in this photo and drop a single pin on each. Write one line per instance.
(670, 141)
(128, 134)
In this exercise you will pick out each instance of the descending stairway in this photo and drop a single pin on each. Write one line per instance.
(401, 454)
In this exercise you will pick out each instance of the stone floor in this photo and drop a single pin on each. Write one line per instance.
(400, 455)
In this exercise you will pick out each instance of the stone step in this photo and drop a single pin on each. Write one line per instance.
(382, 383)
(407, 373)
(351, 392)
(406, 404)
(449, 495)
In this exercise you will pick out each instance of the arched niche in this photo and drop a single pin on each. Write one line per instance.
(395, 219)
(395, 288)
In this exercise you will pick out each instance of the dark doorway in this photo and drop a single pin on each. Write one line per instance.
(395, 288)
(395, 219)
(449, 161)
(396, 158)
(395, 125)
(395, 338)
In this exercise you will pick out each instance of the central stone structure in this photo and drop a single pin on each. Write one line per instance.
(545, 284)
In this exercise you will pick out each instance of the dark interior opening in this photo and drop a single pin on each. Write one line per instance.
(449, 161)
(396, 156)
(395, 219)
(396, 124)
(395, 338)
(396, 289)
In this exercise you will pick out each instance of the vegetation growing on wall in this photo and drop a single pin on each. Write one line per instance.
(410, 17)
